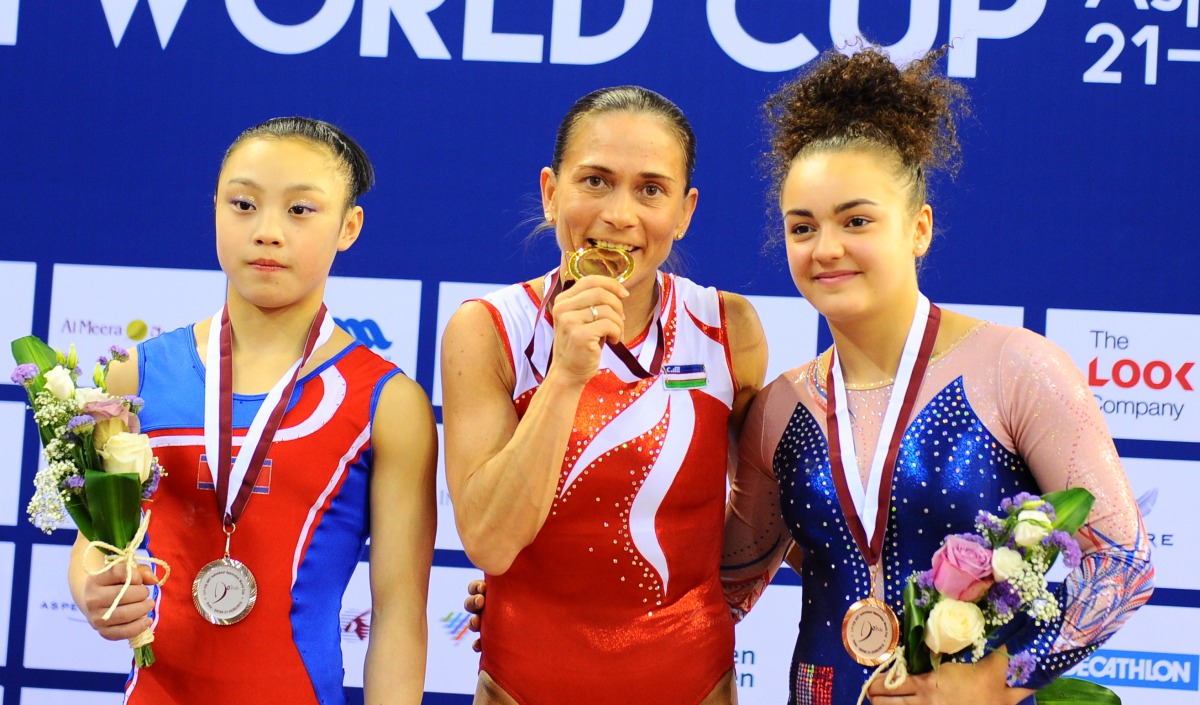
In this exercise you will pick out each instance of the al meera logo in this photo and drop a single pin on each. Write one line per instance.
(366, 331)
(1140, 669)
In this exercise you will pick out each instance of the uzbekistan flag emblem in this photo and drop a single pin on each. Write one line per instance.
(684, 376)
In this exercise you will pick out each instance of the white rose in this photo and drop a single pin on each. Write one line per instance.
(1032, 527)
(128, 453)
(953, 626)
(1007, 564)
(59, 382)
(87, 395)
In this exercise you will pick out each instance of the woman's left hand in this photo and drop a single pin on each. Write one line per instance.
(951, 684)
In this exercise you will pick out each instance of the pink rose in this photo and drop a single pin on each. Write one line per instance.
(112, 417)
(962, 569)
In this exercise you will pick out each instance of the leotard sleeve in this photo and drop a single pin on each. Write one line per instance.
(756, 537)
(1055, 425)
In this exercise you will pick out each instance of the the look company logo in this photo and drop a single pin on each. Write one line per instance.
(136, 330)
(1140, 669)
(356, 624)
(1130, 375)
(455, 625)
(366, 331)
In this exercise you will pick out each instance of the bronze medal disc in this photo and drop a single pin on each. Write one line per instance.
(224, 591)
(870, 631)
(605, 261)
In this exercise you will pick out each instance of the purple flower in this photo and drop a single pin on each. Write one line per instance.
(1004, 598)
(102, 361)
(1020, 668)
(925, 580)
(152, 484)
(24, 374)
(118, 354)
(1069, 547)
(973, 538)
(81, 424)
(1009, 506)
(989, 521)
(75, 482)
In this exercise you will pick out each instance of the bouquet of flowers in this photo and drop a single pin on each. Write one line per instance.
(979, 582)
(99, 468)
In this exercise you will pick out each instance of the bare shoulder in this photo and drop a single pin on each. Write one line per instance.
(123, 378)
(746, 338)
(403, 406)
(472, 347)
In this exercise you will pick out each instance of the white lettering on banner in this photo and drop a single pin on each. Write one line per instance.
(568, 46)
(165, 13)
(922, 28)
(9, 12)
(289, 39)
(969, 23)
(750, 52)
(480, 43)
(413, 16)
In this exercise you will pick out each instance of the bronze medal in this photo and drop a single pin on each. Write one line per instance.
(224, 591)
(870, 631)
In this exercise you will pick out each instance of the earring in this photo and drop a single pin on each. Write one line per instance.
(549, 217)
(678, 237)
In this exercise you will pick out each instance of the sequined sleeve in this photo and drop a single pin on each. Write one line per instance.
(1055, 425)
(756, 537)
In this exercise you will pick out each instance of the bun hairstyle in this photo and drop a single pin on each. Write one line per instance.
(354, 163)
(864, 101)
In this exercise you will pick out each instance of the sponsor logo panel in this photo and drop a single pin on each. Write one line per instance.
(790, 324)
(453, 664)
(16, 316)
(46, 696)
(447, 532)
(450, 297)
(764, 643)
(12, 449)
(355, 624)
(1165, 492)
(1152, 660)
(93, 308)
(1142, 369)
(1013, 316)
(57, 636)
(6, 580)
(383, 314)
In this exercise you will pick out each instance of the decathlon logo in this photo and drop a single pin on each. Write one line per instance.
(1140, 669)
(367, 332)
(455, 625)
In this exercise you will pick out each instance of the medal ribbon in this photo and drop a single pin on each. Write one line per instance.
(555, 287)
(843, 461)
(218, 413)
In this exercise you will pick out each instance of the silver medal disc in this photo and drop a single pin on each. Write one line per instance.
(224, 591)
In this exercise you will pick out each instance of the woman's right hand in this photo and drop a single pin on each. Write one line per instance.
(130, 618)
(586, 316)
(474, 605)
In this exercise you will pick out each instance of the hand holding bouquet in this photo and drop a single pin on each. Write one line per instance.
(980, 582)
(99, 468)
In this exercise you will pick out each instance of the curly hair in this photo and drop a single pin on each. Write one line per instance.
(864, 101)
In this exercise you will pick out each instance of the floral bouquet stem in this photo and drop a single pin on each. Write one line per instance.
(99, 468)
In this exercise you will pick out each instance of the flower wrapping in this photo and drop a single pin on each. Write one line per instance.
(99, 468)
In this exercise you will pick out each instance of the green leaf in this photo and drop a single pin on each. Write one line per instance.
(78, 509)
(1071, 507)
(115, 501)
(31, 349)
(1073, 691)
(916, 656)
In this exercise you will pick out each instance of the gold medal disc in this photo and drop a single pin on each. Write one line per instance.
(605, 261)
(870, 632)
(224, 591)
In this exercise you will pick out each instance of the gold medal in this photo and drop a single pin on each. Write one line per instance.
(605, 261)
(870, 631)
(224, 591)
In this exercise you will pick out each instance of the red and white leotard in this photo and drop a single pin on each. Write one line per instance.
(618, 599)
